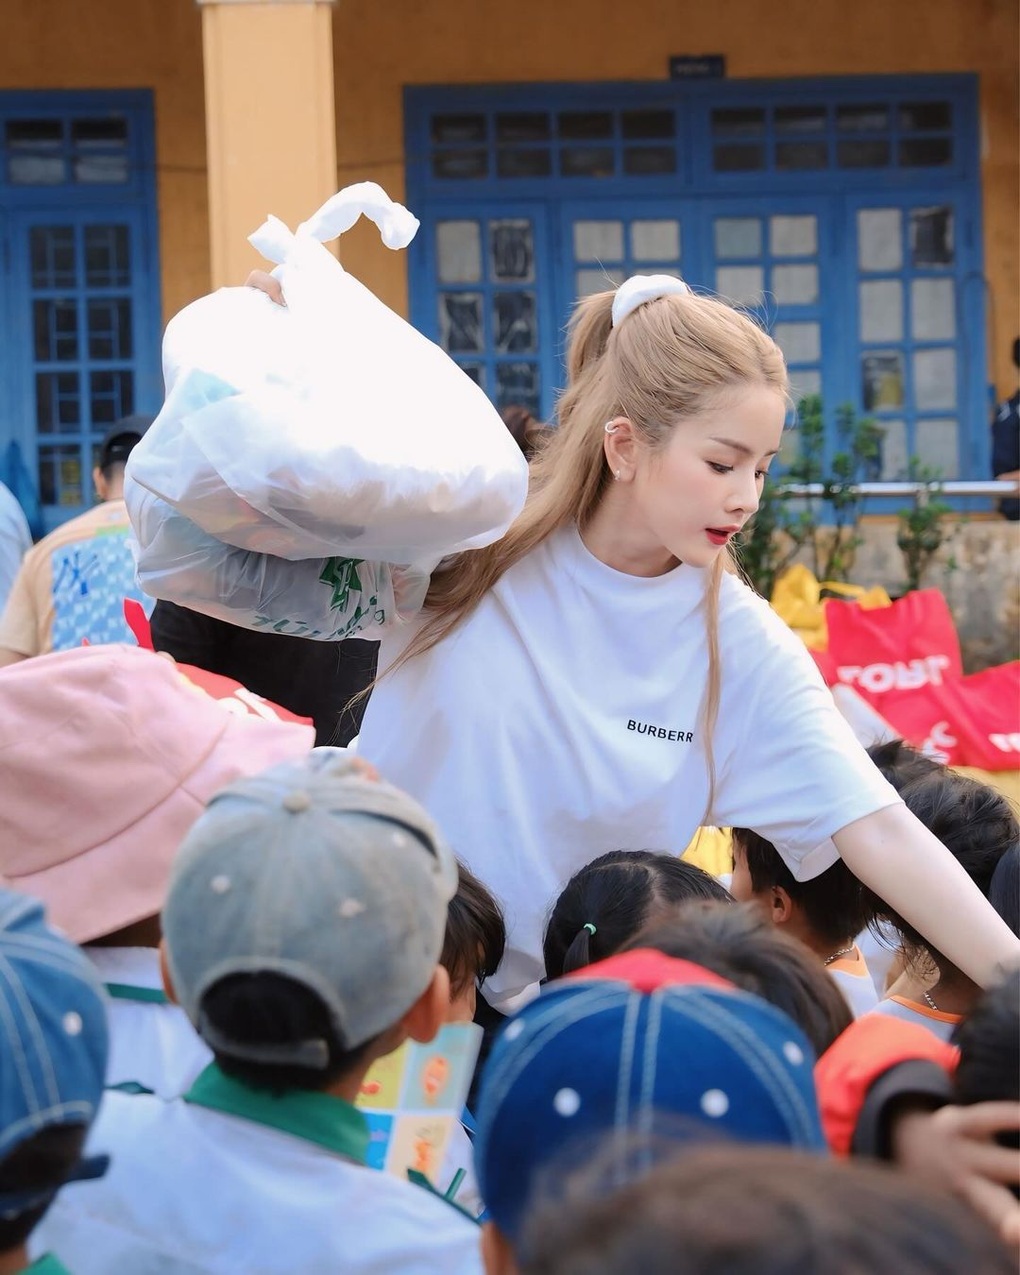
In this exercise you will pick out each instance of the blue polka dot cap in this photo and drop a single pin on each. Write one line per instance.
(628, 1046)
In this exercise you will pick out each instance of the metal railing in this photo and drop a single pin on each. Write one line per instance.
(920, 491)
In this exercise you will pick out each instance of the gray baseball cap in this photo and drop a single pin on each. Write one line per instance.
(311, 871)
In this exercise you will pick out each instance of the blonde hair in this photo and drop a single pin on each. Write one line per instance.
(669, 359)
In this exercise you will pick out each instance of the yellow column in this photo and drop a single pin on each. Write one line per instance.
(270, 120)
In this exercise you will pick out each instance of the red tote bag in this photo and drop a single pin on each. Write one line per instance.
(907, 646)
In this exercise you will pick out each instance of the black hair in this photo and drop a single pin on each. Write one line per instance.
(973, 821)
(740, 943)
(265, 1010)
(989, 1043)
(754, 1210)
(42, 1162)
(899, 763)
(475, 937)
(835, 904)
(610, 899)
(1004, 887)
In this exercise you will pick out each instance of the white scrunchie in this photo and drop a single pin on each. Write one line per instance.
(640, 288)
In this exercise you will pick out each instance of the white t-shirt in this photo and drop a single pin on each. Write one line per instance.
(152, 1044)
(191, 1191)
(561, 720)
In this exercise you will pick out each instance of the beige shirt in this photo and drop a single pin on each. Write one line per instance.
(71, 586)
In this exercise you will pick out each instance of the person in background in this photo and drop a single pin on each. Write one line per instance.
(824, 913)
(71, 586)
(15, 540)
(1006, 443)
(53, 1044)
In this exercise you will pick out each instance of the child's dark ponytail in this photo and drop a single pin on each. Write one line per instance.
(605, 904)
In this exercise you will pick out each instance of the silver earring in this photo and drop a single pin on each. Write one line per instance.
(611, 427)
(616, 475)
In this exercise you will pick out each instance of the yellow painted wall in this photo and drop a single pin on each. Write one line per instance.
(381, 47)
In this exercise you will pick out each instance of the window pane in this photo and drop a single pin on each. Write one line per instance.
(474, 372)
(879, 239)
(51, 249)
(586, 161)
(648, 125)
(523, 126)
(805, 381)
(461, 329)
(739, 122)
(938, 445)
(934, 379)
(582, 126)
(873, 153)
(737, 237)
(926, 116)
(895, 458)
(882, 381)
(791, 156)
(455, 129)
(107, 257)
(459, 251)
(933, 309)
(111, 396)
(598, 241)
(742, 285)
(736, 158)
(589, 281)
(514, 326)
(925, 152)
(462, 165)
(799, 119)
(931, 236)
(795, 285)
(60, 476)
(793, 236)
(881, 310)
(641, 161)
(109, 321)
(864, 117)
(518, 383)
(655, 240)
(55, 328)
(512, 249)
(523, 163)
(800, 342)
(35, 152)
(101, 169)
(57, 403)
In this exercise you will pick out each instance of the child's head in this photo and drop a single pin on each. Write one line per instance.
(989, 1043)
(108, 754)
(753, 1211)
(636, 1044)
(899, 763)
(473, 944)
(304, 923)
(739, 943)
(826, 911)
(974, 822)
(614, 897)
(53, 1053)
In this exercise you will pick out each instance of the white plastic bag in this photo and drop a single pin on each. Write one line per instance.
(330, 427)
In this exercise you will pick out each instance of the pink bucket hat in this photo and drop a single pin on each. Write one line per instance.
(108, 754)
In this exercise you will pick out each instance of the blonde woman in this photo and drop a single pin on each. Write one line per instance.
(601, 677)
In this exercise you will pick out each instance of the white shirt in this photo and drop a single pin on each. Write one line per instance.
(15, 540)
(151, 1044)
(943, 1025)
(561, 720)
(191, 1191)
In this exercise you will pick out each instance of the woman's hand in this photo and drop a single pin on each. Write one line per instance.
(267, 284)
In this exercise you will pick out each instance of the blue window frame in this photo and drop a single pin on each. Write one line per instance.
(845, 213)
(81, 283)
